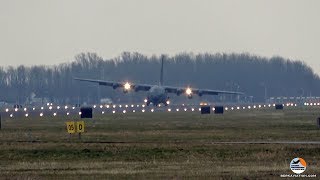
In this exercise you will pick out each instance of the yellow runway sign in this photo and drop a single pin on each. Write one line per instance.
(71, 127)
(80, 126)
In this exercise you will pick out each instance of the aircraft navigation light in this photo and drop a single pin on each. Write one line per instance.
(188, 91)
(127, 86)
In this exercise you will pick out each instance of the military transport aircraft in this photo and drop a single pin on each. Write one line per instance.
(158, 94)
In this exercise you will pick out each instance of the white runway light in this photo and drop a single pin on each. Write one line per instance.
(16, 109)
(133, 110)
(113, 111)
(66, 107)
(41, 114)
(152, 110)
(80, 113)
(24, 109)
(27, 115)
(7, 110)
(143, 110)
(68, 113)
(177, 110)
(185, 109)
(54, 114)
(192, 109)
(124, 111)
(11, 115)
(102, 112)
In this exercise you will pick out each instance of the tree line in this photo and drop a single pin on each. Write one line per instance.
(254, 75)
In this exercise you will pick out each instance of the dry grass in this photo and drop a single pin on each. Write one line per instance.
(160, 146)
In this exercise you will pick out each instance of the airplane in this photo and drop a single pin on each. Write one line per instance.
(158, 94)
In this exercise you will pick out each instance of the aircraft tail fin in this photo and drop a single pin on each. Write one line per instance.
(161, 71)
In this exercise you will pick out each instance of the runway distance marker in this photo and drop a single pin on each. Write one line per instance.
(80, 126)
(71, 128)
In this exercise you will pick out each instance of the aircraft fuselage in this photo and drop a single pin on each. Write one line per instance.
(157, 95)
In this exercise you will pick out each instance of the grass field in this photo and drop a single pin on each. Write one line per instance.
(161, 146)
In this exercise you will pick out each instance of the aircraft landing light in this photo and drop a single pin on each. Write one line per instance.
(188, 91)
(127, 86)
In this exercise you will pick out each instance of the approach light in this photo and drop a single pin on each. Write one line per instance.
(143, 110)
(113, 111)
(80, 113)
(54, 114)
(185, 109)
(7, 110)
(133, 110)
(11, 115)
(101, 106)
(24, 109)
(213, 109)
(102, 112)
(127, 106)
(58, 107)
(68, 113)
(27, 115)
(152, 110)
(167, 102)
(65, 107)
(120, 106)
(108, 106)
(177, 110)
(50, 107)
(232, 108)
(169, 110)
(188, 91)
(127, 86)
(132, 105)
(238, 108)
(226, 108)
(145, 100)
(41, 114)
(16, 109)
(143, 105)
(192, 109)
(124, 111)
(114, 106)
(73, 107)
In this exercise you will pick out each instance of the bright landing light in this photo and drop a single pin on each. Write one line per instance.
(188, 91)
(127, 86)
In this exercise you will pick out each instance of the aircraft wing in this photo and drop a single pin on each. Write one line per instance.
(168, 89)
(200, 92)
(115, 85)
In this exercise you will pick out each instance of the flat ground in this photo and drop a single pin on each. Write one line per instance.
(162, 145)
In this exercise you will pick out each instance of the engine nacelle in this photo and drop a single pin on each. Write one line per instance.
(179, 92)
(115, 86)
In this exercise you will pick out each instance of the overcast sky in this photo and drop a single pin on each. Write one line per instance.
(54, 31)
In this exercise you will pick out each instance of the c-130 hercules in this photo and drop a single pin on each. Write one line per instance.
(158, 94)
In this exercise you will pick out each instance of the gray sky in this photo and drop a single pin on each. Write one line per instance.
(54, 31)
